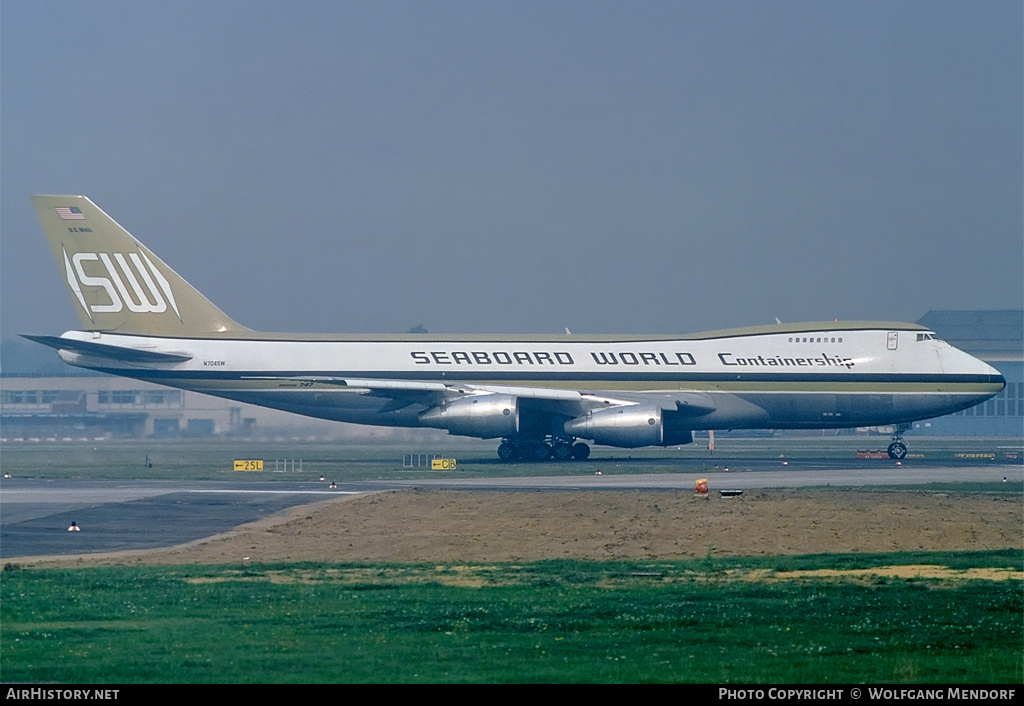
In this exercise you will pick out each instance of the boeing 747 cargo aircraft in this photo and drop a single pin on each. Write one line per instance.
(541, 395)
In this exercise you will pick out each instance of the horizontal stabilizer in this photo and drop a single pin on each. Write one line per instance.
(103, 350)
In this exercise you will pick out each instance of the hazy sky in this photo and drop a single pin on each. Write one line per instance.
(519, 166)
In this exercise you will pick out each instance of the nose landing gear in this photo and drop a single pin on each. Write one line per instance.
(897, 449)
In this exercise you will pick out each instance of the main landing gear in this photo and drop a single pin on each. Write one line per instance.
(897, 449)
(542, 450)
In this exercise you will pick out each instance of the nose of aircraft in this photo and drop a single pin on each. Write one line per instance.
(965, 363)
(958, 362)
(994, 376)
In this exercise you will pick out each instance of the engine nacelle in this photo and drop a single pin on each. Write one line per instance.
(483, 416)
(628, 426)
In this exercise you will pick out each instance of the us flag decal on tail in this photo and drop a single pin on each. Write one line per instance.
(74, 213)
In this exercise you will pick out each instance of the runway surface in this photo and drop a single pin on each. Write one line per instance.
(126, 515)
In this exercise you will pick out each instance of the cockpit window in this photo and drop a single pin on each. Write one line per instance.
(926, 336)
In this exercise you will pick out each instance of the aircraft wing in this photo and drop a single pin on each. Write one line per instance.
(571, 403)
(402, 393)
(684, 402)
(399, 393)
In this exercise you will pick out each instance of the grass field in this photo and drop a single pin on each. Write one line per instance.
(720, 621)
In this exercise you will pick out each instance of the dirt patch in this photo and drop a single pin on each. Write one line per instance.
(921, 571)
(422, 526)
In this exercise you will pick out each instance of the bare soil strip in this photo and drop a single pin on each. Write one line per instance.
(451, 526)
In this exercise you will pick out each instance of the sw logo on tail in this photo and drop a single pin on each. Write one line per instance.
(139, 301)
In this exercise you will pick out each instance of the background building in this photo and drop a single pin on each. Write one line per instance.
(88, 407)
(997, 337)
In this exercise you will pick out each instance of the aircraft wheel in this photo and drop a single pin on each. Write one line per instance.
(897, 450)
(561, 451)
(538, 452)
(580, 451)
(508, 451)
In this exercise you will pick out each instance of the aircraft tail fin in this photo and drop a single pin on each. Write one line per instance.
(116, 283)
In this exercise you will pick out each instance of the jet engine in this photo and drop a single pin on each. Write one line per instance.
(483, 416)
(628, 426)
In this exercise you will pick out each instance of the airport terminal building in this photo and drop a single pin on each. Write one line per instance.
(83, 407)
(77, 405)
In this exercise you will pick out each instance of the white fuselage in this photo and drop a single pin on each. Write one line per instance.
(791, 379)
